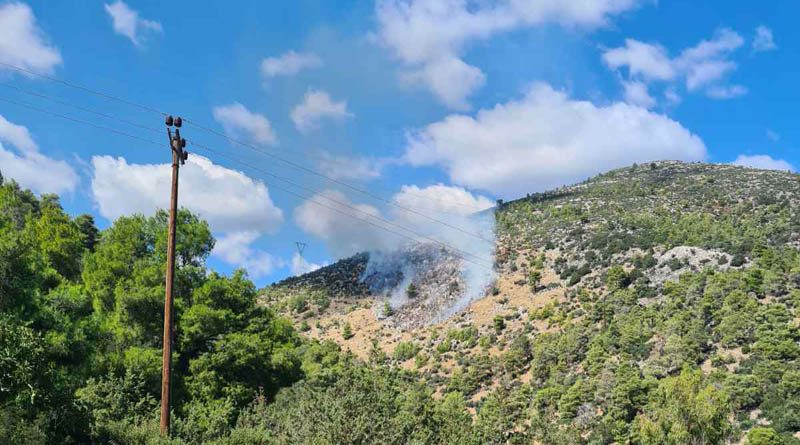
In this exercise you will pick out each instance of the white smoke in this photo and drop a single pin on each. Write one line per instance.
(450, 261)
(463, 225)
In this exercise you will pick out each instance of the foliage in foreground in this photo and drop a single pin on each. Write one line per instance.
(80, 323)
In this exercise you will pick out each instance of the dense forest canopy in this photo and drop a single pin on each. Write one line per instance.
(690, 361)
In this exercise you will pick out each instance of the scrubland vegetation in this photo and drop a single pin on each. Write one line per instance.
(678, 324)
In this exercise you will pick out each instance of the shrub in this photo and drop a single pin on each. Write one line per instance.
(347, 331)
(499, 323)
(404, 350)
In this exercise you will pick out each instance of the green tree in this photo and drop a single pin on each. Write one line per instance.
(88, 229)
(684, 409)
(534, 278)
(347, 331)
(387, 309)
(764, 436)
(411, 291)
(616, 278)
(499, 323)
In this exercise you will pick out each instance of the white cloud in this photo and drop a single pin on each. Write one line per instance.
(17, 135)
(764, 162)
(349, 167)
(127, 23)
(709, 61)
(429, 36)
(236, 207)
(22, 43)
(470, 235)
(647, 60)
(636, 93)
(345, 231)
(672, 97)
(317, 105)
(449, 79)
(239, 122)
(702, 67)
(545, 140)
(120, 188)
(237, 248)
(726, 92)
(26, 164)
(438, 198)
(288, 64)
(342, 224)
(764, 41)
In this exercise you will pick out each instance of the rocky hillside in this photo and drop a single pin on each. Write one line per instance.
(618, 303)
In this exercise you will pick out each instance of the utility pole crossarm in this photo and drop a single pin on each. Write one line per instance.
(179, 156)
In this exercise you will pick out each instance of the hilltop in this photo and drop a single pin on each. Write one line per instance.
(607, 292)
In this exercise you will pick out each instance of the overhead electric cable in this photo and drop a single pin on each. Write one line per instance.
(223, 135)
(460, 252)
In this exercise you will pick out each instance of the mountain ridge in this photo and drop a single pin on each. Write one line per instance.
(647, 266)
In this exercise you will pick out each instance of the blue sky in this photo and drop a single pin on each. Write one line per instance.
(438, 107)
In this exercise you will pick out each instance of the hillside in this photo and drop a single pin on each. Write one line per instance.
(655, 304)
(618, 303)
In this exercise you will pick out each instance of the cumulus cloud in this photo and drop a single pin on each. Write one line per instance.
(288, 64)
(636, 93)
(120, 188)
(237, 248)
(764, 162)
(438, 198)
(449, 79)
(726, 92)
(545, 140)
(342, 224)
(468, 235)
(701, 67)
(429, 36)
(241, 123)
(764, 41)
(126, 22)
(317, 105)
(709, 60)
(22, 43)
(349, 167)
(650, 61)
(26, 164)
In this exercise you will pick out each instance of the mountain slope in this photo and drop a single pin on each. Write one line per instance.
(619, 302)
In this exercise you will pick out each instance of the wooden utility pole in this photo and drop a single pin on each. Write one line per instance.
(179, 156)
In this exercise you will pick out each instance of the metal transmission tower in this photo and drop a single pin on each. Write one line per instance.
(179, 156)
(301, 246)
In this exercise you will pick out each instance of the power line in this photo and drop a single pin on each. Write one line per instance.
(80, 108)
(220, 134)
(337, 181)
(317, 173)
(76, 120)
(463, 254)
(391, 223)
(83, 88)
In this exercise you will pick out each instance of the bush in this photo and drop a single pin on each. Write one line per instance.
(411, 291)
(404, 351)
(347, 331)
(764, 436)
(499, 323)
